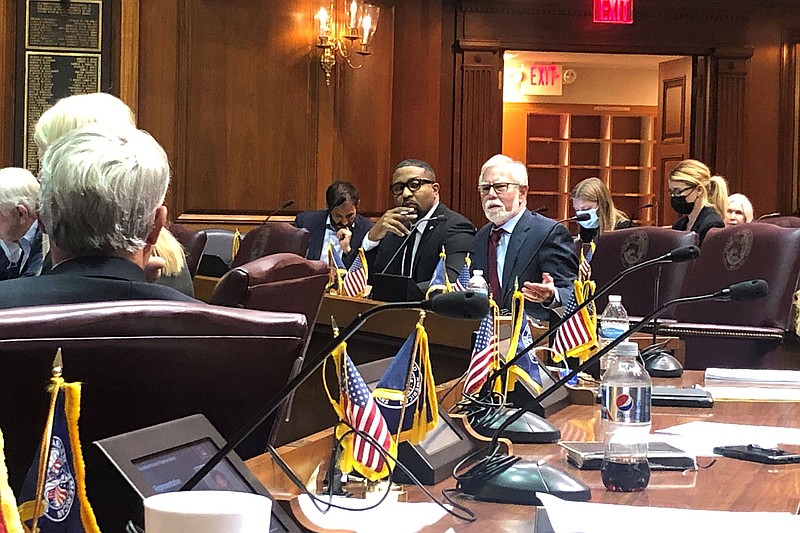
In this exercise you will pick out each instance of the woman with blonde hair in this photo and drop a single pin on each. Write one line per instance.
(701, 199)
(592, 197)
(168, 264)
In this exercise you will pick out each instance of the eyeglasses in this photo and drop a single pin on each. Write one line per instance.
(499, 188)
(413, 185)
(679, 192)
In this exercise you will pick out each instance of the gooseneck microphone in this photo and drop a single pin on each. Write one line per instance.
(541, 209)
(514, 480)
(287, 203)
(678, 255)
(460, 305)
(407, 238)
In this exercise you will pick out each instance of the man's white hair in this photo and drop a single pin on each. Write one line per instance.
(101, 187)
(515, 170)
(18, 187)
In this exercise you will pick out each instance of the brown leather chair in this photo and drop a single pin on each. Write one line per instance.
(741, 334)
(620, 249)
(783, 221)
(271, 238)
(279, 282)
(193, 243)
(143, 363)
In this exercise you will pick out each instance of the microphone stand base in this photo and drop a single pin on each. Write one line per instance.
(530, 429)
(519, 483)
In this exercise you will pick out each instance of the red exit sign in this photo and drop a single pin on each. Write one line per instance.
(613, 11)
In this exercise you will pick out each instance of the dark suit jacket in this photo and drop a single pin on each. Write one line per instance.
(314, 222)
(85, 279)
(528, 255)
(455, 233)
(707, 219)
(33, 265)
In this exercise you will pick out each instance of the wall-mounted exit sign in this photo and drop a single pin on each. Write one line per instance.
(613, 11)
(543, 79)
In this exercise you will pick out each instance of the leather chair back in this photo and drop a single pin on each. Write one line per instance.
(739, 253)
(785, 222)
(617, 250)
(217, 254)
(142, 363)
(279, 282)
(272, 238)
(193, 243)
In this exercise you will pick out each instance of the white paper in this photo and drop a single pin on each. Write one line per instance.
(389, 517)
(586, 517)
(699, 438)
(754, 376)
(762, 394)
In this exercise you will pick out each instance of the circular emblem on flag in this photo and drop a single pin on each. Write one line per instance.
(634, 248)
(737, 249)
(414, 391)
(59, 485)
(624, 402)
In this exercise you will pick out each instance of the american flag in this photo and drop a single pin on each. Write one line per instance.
(463, 278)
(361, 412)
(483, 356)
(577, 337)
(356, 280)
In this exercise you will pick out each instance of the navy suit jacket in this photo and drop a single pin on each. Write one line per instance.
(314, 222)
(83, 280)
(455, 233)
(538, 244)
(33, 264)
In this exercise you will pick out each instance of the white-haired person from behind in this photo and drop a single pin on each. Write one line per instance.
(168, 265)
(22, 241)
(101, 203)
(740, 210)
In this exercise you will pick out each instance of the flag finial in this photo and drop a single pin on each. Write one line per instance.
(58, 364)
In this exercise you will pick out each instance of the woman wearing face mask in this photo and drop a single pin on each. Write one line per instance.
(593, 197)
(701, 198)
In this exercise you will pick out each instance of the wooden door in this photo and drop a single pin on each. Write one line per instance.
(673, 127)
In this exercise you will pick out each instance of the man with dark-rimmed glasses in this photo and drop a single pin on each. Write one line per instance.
(418, 209)
(519, 245)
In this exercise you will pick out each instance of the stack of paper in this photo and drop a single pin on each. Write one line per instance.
(780, 378)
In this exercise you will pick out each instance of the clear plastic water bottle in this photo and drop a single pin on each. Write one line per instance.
(613, 323)
(626, 392)
(477, 283)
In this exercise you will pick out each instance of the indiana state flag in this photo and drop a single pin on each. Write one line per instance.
(439, 281)
(336, 270)
(406, 394)
(9, 516)
(55, 488)
(357, 407)
(527, 368)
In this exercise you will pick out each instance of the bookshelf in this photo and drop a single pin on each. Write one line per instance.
(564, 144)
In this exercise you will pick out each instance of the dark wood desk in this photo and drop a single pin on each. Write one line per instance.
(727, 485)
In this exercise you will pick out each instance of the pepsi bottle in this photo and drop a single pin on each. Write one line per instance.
(626, 390)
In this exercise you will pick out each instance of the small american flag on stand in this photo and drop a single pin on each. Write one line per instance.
(356, 280)
(463, 277)
(483, 356)
(577, 337)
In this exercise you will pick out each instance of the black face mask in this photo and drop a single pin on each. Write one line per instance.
(680, 205)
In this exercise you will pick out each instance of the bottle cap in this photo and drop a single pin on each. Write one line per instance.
(477, 272)
(614, 298)
(627, 348)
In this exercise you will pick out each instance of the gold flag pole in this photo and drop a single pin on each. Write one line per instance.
(44, 452)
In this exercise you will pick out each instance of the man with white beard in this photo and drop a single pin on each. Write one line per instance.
(520, 245)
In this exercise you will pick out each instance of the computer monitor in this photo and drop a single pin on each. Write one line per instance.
(161, 458)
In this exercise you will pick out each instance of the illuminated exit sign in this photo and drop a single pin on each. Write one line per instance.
(613, 11)
(543, 80)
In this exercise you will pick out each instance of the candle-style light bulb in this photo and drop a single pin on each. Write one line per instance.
(366, 24)
(322, 17)
(353, 14)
